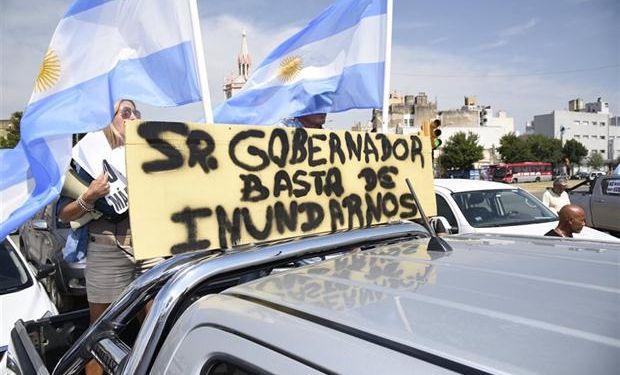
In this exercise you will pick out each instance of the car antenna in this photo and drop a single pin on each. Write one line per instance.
(436, 243)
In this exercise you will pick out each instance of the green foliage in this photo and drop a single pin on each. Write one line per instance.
(534, 147)
(12, 137)
(596, 161)
(574, 151)
(544, 148)
(513, 149)
(461, 151)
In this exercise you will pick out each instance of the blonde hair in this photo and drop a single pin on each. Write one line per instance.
(115, 138)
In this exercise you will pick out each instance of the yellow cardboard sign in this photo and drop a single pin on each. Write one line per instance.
(197, 186)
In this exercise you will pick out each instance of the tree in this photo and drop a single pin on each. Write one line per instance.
(595, 161)
(513, 149)
(574, 151)
(12, 137)
(461, 151)
(544, 148)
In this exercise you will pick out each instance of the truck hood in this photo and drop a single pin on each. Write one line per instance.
(26, 304)
(541, 228)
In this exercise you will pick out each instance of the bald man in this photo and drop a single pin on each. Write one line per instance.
(572, 220)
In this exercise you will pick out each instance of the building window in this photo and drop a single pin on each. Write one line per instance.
(602, 137)
(576, 123)
(585, 123)
(586, 136)
(577, 136)
(602, 123)
(602, 151)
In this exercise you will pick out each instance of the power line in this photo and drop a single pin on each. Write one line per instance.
(509, 75)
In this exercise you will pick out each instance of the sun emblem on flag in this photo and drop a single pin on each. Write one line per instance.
(289, 68)
(49, 72)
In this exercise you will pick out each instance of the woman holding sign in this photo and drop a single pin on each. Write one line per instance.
(98, 161)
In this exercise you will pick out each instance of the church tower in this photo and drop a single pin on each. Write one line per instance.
(234, 83)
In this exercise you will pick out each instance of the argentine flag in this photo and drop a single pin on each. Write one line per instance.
(334, 64)
(102, 51)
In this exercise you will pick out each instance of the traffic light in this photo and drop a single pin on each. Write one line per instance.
(435, 132)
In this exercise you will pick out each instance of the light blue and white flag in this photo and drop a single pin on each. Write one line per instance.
(102, 51)
(334, 64)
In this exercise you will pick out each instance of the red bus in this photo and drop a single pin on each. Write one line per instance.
(528, 171)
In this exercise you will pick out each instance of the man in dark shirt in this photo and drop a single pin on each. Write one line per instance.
(572, 220)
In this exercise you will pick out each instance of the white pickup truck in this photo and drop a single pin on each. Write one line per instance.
(389, 303)
(600, 198)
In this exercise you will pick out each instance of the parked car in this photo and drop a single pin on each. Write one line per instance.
(42, 239)
(489, 304)
(493, 207)
(21, 296)
(594, 175)
(580, 175)
(600, 199)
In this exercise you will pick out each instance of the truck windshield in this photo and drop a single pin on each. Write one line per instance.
(498, 208)
(13, 274)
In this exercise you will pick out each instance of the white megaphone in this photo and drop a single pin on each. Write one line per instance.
(73, 188)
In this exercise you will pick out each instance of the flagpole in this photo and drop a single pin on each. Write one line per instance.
(385, 116)
(200, 62)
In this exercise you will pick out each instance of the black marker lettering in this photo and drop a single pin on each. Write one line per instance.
(282, 138)
(253, 189)
(282, 182)
(299, 153)
(354, 147)
(335, 148)
(336, 215)
(371, 178)
(390, 199)
(201, 145)
(313, 149)
(333, 182)
(226, 226)
(416, 149)
(251, 150)
(304, 185)
(189, 217)
(285, 220)
(406, 201)
(314, 216)
(151, 132)
(370, 148)
(353, 203)
(384, 177)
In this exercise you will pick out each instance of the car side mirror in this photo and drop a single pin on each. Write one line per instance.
(44, 271)
(39, 224)
(441, 225)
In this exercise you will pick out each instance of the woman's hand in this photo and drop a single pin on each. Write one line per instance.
(98, 188)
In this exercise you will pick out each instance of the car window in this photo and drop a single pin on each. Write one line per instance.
(13, 274)
(611, 186)
(443, 209)
(496, 208)
(228, 366)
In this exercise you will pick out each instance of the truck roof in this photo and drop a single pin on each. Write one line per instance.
(458, 185)
(496, 303)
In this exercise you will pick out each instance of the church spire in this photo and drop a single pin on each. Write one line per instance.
(244, 59)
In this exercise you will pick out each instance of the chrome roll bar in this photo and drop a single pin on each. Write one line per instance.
(181, 284)
(128, 304)
(171, 281)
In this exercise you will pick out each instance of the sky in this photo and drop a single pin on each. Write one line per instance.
(526, 57)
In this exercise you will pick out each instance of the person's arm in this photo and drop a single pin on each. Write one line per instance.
(545, 198)
(73, 210)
